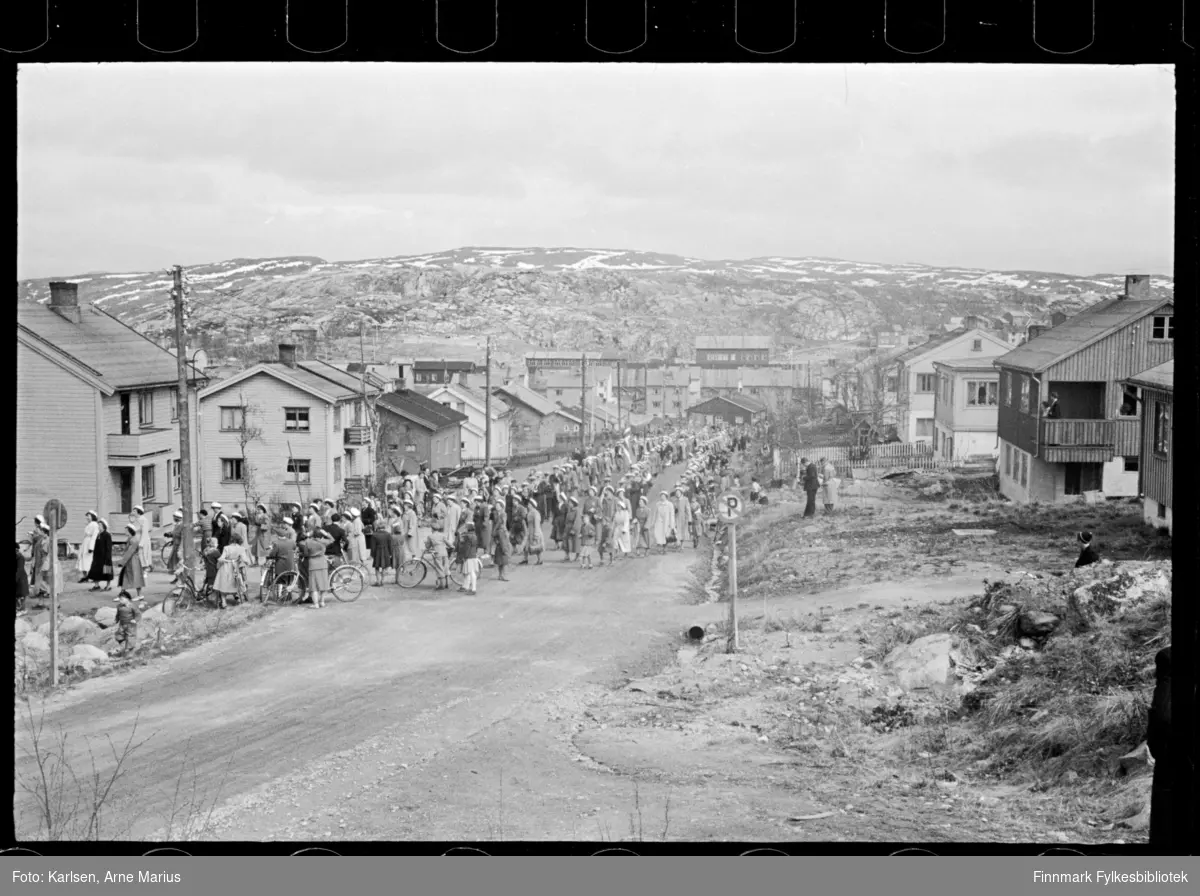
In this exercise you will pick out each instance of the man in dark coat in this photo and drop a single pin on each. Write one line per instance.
(1158, 739)
(812, 484)
(221, 528)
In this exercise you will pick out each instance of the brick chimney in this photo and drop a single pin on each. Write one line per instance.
(401, 379)
(1058, 317)
(1137, 286)
(64, 300)
(1036, 330)
(287, 354)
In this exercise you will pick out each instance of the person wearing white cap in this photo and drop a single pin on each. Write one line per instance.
(102, 566)
(145, 530)
(86, 547)
(132, 576)
(177, 535)
(410, 530)
(262, 533)
(620, 524)
(664, 521)
(453, 516)
(353, 526)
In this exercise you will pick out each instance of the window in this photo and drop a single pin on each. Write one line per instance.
(558, 393)
(890, 384)
(176, 475)
(1129, 402)
(1024, 394)
(981, 393)
(1162, 510)
(924, 427)
(1162, 429)
(1007, 377)
(1024, 469)
(337, 469)
(393, 446)
(1164, 327)
(300, 469)
(976, 345)
(174, 404)
(1131, 463)
(296, 419)
(337, 417)
(148, 482)
(1008, 460)
(946, 390)
(657, 404)
(410, 448)
(678, 404)
(231, 418)
(926, 382)
(231, 469)
(146, 409)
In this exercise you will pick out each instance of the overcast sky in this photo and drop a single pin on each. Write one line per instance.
(139, 166)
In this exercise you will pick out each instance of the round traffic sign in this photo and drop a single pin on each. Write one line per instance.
(729, 507)
(55, 513)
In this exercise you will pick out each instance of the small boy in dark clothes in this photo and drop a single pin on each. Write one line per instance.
(587, 541)
(212, 562)
(128, 615)
(1087, 553)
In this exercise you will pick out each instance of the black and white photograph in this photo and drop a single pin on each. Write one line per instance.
(684, 453)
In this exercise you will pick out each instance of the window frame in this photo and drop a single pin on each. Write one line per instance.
(1026, 387)
(176, 467)
(297, 467)
(337, 469)
(175, 404)
(149, 475)
(241, 413)
(296, 410)
(988, 386)
(1162, 429)
(1167, 328)
(931, 378)
(145, 403)
(233, 465)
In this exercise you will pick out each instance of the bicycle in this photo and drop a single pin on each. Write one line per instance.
(186, 595)
(165, 553)
(414, 570)
(346, 581)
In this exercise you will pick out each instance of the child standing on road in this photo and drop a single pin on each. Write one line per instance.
(128, 615)
(468, 553)
(587, 541)
(439, 550)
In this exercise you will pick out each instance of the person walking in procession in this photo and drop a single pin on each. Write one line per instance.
(231, 571)
(468, 553)
(262, 534)
(176, 556)
(535, 537)
(132, 577)
(587, 541)
(503, 547)
(313, 549)
(664, 522)
(88, 545)
(101, 569)
(812, 484)
(829, 485)
(145, 542)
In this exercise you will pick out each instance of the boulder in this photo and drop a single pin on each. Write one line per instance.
(1035, 624)
(87, 652)
(22, 627)
(35, 641)
(106, 616)
(923, 664)
(1126, 587)
(76, 627)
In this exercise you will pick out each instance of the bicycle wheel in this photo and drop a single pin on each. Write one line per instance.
(346, 583)
(455, 573)
(283, 588)
(411, 574)
(179, 600)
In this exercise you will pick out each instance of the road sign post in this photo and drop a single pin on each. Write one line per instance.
(729, 510)
(55, 514)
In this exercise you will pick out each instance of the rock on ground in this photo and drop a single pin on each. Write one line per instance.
(1037, 625)
(925, 663)
(87, 652)
(77, 627)
(1131, 585)
(22, 627)
(35, 641)
(106, 616)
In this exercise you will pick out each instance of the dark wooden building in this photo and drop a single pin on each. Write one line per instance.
(415, 430)
(1092, 440)
(735, 410)
(733, 351)
(1157, 387)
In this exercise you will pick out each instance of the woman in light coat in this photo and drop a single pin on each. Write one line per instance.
(621, 525)
(231, 571)
(410, 529)
(683, 514)
(829, 485)
(262, 534)
(664, 521)
(132, 576)
(354, 529)
(146, 545)
(360, 535)
(88, 546)
(313, 549)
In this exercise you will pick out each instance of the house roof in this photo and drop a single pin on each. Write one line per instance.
(1161, 377)
(445, 364)
(342, 379)
(560, 379)
(57, 356)
(420, 409)
(599, 412)
(662, 377)
(564, 412)
(527, 397)
(967, 364)
(919, 351)
(1076, 333)
(472, 396)
(743, 402)
(738, 341)
(573, 356)
(119, 354)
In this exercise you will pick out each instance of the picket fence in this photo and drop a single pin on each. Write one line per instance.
(877, 458)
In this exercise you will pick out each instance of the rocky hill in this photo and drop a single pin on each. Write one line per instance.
(643, 303)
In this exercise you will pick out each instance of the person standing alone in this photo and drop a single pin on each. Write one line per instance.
(812, 484)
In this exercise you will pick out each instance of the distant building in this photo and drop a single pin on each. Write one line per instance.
(733, 410)
(1095, 441)
(733, 351)
(473, 403)
(564, 386)
(97, 415)
(535, 420)
(966, 403)
(414, 429)
(440, 372)
(544, 360)
(1155, 468)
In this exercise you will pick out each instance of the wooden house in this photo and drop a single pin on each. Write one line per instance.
(1156, 482)
(1092, 439)
(733, 350)
(966, 405)
(416, 430)
(734, 410)
(97, 415)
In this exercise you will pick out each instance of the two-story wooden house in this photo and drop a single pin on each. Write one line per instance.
(733, 350)
(97, 415)
(286, 431)
(734, 410)
(535, 422)
(473, 404)
(1155, 469)
(1091, 441)
(916, 378)
(965, 409)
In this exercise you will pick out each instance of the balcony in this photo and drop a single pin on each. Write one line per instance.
(142, 443)
(356, 435)
(1077, 441)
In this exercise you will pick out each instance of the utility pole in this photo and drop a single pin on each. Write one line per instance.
(619, 396)
(185, 425)
(362, 360)
(487, 405)
(583, 400)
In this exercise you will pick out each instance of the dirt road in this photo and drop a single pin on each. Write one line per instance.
(290, 714)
